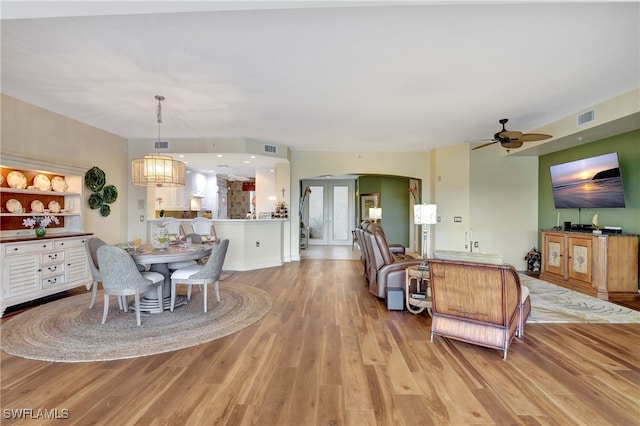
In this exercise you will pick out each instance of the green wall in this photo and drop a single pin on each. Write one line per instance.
(394, 202)
(628, 147)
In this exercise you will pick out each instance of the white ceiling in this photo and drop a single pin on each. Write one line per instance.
(330, 76)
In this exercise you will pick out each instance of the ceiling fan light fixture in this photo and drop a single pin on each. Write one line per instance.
(157, 169)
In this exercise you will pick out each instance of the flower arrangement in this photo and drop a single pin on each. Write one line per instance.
(40, 223)
(306, 193)
(413, 190)
(160, 200)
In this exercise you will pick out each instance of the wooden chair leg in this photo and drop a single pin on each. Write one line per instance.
(106, 308)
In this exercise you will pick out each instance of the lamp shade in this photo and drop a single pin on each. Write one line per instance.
(375, 213)
(157, 170)
(425, 214)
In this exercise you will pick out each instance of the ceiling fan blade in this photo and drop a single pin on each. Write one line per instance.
(531, 137)
(483, 145)
(512, 144)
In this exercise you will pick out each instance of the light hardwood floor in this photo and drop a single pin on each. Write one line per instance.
(329, 353)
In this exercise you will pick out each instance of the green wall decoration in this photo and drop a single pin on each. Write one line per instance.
(95, 179)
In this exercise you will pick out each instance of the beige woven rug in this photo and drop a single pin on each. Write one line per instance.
(551, 303)
(66, 330)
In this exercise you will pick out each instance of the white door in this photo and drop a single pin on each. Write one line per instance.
(329, 212)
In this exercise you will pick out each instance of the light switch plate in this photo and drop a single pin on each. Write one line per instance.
(457, 218)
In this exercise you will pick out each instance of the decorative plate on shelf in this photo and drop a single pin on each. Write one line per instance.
(54, 206)
(42, 183)
(59, 184)
(16, 180)
(1, 179)
(37, 206)
(14, 206)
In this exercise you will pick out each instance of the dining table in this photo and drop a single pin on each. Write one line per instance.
(157, 260)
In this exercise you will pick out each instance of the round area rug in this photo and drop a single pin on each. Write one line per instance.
(67, 330)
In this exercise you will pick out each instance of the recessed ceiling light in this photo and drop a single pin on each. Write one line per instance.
(247, 162)
(219, 155)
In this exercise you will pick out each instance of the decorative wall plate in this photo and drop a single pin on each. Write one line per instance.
(59, 184)
(14, 206)
(37, 206)
(16, 180)
(54, 206)
(1, 179)
(42, 183)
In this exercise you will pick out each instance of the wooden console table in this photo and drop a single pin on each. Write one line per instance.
(604, 266)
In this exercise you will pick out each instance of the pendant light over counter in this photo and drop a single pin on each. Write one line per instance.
(157, 169)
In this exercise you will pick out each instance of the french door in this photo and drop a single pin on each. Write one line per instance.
(329, 211)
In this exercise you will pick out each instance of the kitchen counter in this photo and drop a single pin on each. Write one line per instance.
(253, 243)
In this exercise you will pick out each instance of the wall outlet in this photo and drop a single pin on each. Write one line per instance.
(457, 218)
(142, 220)
(257, 243)
(475, 244)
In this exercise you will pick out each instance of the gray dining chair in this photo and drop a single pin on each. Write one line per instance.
(121, 277)
(91, 245)
(209, 273)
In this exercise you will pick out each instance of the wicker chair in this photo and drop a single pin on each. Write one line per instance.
(477, 299)
(205, 228)
(121, 277)
(209, 273)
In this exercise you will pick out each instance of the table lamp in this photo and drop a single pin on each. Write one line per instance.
(425, 214)
(375, 213)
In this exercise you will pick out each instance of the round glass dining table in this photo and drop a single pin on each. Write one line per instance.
(157, 260)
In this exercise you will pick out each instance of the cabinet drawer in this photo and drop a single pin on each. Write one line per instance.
(52, 281)
(13, 249)
(69, 242)
(53, 269)
(54, 257)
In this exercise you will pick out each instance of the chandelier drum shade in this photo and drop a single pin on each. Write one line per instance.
(157, 169)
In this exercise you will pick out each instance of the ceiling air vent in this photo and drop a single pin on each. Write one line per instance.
(271, 149)
(161, 144)
(586, 117)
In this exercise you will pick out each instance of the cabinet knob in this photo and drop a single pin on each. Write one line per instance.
(15, 249)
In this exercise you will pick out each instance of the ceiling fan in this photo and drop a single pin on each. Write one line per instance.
(513, 139)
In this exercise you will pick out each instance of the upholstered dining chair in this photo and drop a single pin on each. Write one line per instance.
(92, 244)
(204, 227)
(209, 273)
(121, 277)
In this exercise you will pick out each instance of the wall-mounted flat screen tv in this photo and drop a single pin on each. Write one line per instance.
(593, 182)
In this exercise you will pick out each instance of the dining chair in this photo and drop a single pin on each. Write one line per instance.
(91, 245)
(204, 227)
(121, 277)
(174, 228)
(209, 273)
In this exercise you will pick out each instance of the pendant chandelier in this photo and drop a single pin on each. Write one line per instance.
(157, 169)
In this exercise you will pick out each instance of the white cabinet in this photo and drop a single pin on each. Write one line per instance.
(63, 199)
(173, 198)
(34, 269)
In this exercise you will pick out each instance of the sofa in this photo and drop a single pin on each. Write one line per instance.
(478, 299)
(382, 267)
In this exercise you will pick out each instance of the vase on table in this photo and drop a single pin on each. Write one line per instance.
(160, 239)
(41, 232)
